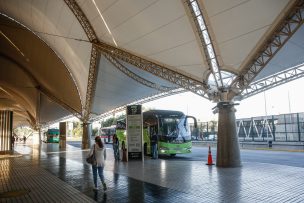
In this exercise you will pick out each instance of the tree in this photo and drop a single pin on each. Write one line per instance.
(23, 131)
(212, 126)
(112, 120)
(94, 132)
(108, 122)
(77, 129)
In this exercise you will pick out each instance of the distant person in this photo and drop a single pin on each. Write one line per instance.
(13, 141)
(100, 154)
(154, 141)
(116, 147)
(124, 151)
(24, 139)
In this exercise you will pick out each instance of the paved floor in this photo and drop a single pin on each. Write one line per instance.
(48, 174)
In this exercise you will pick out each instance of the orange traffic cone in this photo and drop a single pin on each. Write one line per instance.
(210, 162)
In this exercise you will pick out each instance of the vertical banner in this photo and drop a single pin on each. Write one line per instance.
(134, 132)
(62, 134)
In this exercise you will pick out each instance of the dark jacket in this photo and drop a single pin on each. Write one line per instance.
(154, 139)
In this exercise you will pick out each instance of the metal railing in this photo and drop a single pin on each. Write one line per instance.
(283, 127)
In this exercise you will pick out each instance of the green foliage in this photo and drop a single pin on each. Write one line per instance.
(77, 129)
(108, 122)
(23, 131)
(212, 126)
(94, 132)
(112, 120)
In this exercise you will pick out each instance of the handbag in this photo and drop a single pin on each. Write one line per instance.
(91, 159)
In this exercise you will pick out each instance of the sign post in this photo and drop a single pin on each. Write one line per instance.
(134, 132)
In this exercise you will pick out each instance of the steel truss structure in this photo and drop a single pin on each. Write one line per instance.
(161, 71)
(282, 127)
(294, 18)
(274, 81)
(91, 84)
(206, 40)
(82, 19)
(141, 101)
(136, 77)
(93, 71)
(289, 24)
(260, 127)
(158, 70)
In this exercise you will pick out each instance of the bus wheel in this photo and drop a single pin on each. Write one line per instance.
(172, 155)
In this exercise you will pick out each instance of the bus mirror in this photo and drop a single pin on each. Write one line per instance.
(194, 119)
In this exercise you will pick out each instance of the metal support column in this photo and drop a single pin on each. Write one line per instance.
(228, 150)
(273, 129)
(285, 128)
(299, 128)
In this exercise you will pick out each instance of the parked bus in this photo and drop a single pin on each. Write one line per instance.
(106, 133)
(171, 127)
(52, 135)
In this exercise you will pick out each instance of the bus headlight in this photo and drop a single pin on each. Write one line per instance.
(163, 149)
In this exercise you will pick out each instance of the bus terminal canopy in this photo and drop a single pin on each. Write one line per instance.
(87, 57)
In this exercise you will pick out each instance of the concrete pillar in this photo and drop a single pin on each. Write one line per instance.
(6, 131)
(62, 134)
(86, 136)
(36, 137)
(40, 136)
(228, 151)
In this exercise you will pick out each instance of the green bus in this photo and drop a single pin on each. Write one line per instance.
(106, 133)
(171, 127)
(52, 135)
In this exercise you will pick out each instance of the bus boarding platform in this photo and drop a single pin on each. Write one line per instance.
(48, 174)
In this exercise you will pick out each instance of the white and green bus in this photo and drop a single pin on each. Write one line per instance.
(171, 127)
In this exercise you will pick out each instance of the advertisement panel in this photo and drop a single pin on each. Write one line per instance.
(134, 131)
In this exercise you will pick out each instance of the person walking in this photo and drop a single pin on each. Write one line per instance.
(100, 155)
(154, 141)
(116, 147)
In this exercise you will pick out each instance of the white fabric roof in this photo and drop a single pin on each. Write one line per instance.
(161, 31)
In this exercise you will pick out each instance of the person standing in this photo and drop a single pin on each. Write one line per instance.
(13, 141)
(100, 155)
(154, 141)
(116, 147)
(124, 151)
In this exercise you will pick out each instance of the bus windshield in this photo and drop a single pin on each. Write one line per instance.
(106, 133)
(174, 130)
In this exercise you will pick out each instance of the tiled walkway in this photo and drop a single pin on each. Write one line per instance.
(47, 174)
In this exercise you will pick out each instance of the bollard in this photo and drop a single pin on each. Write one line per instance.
(270, 144)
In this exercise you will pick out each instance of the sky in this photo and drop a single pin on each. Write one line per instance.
(287, 98)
